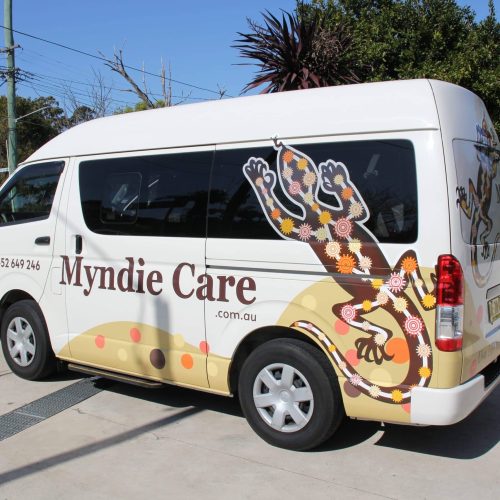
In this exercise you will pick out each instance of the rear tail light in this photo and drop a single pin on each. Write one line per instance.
(450, 304)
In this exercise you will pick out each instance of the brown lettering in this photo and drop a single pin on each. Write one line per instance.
(154, 277)
(128, 274)
(70, 272)
(206, 290)
(111, 282)
(176, 280)
(223, 280)
(245, 285)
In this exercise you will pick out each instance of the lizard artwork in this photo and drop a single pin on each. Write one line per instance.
(475, 202)
(352, 256)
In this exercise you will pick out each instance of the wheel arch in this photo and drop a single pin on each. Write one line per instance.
(258, 337)
(11, 297)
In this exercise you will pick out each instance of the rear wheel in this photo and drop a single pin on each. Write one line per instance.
(290, 395)
(25, 341)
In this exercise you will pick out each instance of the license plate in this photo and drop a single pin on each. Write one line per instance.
(494, 309)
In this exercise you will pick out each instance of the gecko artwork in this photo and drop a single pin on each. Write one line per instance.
(348, 268)
(346, 247)
(477, 202)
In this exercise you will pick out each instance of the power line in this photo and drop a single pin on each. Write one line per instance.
(110, 88)
(107, 61)
(105, 87)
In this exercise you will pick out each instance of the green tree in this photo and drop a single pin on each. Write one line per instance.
(34, 130)
(376, 40)
(404, 39)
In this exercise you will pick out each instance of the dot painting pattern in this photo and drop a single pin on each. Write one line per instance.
(156, 356)
(342, 243)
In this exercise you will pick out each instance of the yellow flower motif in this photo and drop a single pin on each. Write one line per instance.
(400, 304)
(377, 283)
(332, 348)
(429, 301)
(286, 226)
(355, 246)
(302, 164)
(314, 207)
(397, 396)
(321, 234)
(367, 305)
(424, 372)
(325, 217)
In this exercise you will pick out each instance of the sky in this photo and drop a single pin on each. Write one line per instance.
(194, 37)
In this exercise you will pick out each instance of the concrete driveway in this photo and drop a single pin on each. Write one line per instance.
(120, 441)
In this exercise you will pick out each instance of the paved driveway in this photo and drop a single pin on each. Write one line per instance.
(126, 442)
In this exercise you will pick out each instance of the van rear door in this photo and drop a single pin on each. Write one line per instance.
(478, 207)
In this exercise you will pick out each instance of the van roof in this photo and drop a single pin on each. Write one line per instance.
(349, 109)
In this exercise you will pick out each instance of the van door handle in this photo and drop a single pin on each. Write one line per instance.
(42, 240)
(78, 244)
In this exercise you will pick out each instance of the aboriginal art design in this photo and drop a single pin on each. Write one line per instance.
(350, 252)
(148, 351)
(475, 202)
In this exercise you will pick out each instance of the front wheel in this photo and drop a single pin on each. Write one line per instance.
(290, 395)
(25, 341)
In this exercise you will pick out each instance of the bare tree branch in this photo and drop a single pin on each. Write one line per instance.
(117, 65)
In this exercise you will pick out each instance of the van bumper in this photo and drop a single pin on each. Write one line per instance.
(448, 406)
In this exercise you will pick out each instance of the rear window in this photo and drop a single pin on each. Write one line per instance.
(478, 191)
(383, 172)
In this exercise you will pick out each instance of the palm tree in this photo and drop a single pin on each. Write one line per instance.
(296, 53)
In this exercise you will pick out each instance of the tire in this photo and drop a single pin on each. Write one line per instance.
(268, 388)
(25, 341)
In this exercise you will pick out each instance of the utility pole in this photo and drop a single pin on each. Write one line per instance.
(11, 87)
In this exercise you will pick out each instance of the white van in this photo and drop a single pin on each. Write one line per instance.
(320, 253)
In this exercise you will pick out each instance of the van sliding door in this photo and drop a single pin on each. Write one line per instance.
(135, 251)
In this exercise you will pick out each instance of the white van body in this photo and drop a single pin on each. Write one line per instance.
(357, 226)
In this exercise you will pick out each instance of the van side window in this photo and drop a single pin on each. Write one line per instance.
(234, 210)
(157, 195)
(29, 194)
(384, 173)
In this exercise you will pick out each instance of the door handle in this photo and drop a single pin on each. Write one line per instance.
(78, 244)
(42, 240)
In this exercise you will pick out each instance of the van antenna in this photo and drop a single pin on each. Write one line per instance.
(277, 144)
